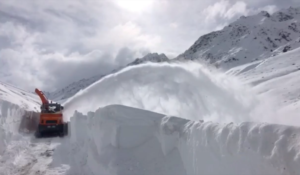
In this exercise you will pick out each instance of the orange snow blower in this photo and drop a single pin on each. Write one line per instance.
(51, 118)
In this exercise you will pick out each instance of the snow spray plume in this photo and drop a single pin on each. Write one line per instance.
(186, 90)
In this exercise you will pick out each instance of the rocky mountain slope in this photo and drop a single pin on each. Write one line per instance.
(152, 57)
(248, 39)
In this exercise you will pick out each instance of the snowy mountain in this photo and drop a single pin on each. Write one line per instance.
(68, 91)
(248, 39)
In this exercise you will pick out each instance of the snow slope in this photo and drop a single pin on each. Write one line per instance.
(123, 140)
(248, 39)
(23, 99)
(276, 80)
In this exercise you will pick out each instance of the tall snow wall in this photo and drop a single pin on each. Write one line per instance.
(123, 140)
(13, 120)
(8, 122)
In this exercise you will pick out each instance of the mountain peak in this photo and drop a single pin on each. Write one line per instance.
(151, 57)
(265, 14)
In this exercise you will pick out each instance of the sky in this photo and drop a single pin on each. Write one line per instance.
(49, 44)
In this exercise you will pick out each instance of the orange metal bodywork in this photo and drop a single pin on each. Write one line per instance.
(42, 97)
(51, 118)
(44, 117)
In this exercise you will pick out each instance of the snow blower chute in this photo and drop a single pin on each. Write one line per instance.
(51, 118)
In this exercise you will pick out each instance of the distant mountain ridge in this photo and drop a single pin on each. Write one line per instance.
(74, 87)
(248, 39)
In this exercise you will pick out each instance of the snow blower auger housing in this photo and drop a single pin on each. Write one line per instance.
(51, 119)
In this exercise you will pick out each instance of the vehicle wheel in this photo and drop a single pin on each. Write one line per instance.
(65, 129)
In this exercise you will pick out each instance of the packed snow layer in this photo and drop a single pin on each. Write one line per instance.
(186, 90)
(123, 140)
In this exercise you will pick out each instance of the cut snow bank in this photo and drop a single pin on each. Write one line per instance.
(123, 140)
(10, 119)
(12, 143)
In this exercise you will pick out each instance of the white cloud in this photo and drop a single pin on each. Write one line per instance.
(174, 25)
(49, 44)
(237, 9)
(269, 8)
(225, 9)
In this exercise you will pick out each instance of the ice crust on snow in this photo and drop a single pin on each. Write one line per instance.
(123, 140)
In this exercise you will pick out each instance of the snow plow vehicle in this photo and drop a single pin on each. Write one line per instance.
(51, 120)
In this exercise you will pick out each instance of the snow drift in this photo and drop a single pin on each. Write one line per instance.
(123, 140)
